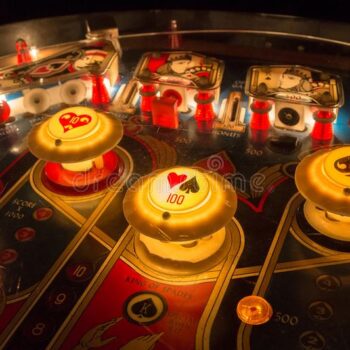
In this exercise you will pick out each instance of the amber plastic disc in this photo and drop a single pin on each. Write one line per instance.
(180, 204)
(254, 310)
(74, 135)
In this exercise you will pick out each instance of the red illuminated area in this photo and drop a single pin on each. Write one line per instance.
(72, 166)
(204, 109)
(100, 94)
(165, 113)
(57, 174)
(148, 94)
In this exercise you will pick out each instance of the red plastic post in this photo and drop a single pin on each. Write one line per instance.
(100, 93)
(174, 37)
(148, 94)
(260, 114)
(4, 111)
(204, 110)
(323, 128)
(23, 54)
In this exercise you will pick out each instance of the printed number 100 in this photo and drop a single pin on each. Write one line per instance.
(175, 198)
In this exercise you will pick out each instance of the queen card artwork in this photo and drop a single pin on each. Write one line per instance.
(180, 68)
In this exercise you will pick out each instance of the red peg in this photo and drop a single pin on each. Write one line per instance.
(260, 116)
(148, 94)
(4, 111)
(23, 54)
(100, 93)
(204, 110)
(323, 128)
(174, 37)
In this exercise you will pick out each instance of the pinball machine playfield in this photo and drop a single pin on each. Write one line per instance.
(151, 183)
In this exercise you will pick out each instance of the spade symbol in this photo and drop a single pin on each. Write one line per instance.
(144, 308)
(343, 165)
(190, 186)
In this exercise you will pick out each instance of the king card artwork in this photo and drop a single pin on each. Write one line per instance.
(295, 84)
(180, 68)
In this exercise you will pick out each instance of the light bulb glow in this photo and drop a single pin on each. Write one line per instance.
(78, 167)
(34, 52)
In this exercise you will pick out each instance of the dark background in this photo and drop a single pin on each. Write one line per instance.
(15, 10)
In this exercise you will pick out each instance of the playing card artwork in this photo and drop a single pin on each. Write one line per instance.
(180, 68)
(294, 83)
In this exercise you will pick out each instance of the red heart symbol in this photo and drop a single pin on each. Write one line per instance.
(71, 121)
(175, 179)
(49, 68)
(42, 69)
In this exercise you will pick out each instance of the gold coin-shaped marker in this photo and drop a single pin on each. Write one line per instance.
(254, 310)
